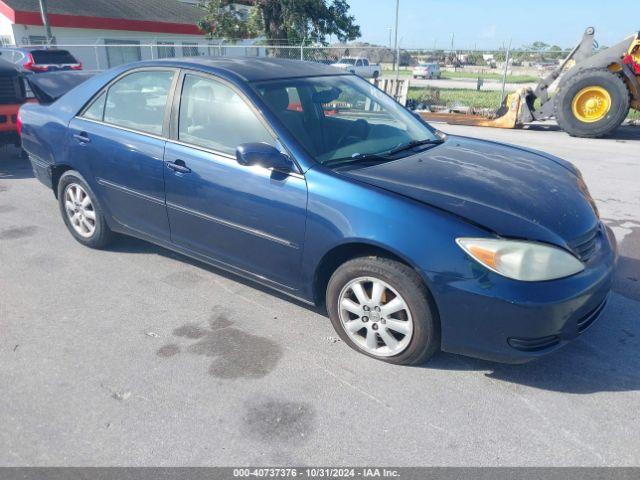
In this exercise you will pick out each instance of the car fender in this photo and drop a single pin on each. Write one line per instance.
(416, 233)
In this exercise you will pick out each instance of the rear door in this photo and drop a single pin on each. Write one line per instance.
(120, 139)
(250, 218)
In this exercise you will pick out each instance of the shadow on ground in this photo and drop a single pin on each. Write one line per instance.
(606, 358)
(125, 244)
(12, 165)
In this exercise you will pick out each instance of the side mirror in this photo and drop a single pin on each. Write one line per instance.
(263, 154)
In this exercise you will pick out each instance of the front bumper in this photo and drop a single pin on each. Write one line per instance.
(499, 319)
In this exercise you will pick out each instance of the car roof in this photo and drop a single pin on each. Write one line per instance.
(253, 69)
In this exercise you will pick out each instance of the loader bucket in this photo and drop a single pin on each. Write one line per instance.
(507, 116)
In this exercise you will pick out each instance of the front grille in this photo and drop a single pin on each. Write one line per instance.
(9, 90)
(585, 245)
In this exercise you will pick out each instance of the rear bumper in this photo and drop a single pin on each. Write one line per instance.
(498, 319)
(41, 170)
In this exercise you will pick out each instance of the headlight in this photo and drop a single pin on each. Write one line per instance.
(519, 260)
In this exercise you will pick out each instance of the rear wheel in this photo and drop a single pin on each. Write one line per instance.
(81, 212)
(592, 103)
(382, 308)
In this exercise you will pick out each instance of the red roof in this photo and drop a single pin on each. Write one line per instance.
(132, 15)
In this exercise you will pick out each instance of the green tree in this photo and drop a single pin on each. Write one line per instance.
(282, 22)
(221, 20)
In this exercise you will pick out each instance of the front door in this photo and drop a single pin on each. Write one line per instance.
(120, 139)
(250, 218)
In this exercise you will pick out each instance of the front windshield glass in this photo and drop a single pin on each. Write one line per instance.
(342, 117)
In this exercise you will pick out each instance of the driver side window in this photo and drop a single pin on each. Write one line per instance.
(214, 116)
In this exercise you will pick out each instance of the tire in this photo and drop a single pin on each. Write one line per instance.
(614, 86)
(376, 75)
(422, 334)
(70, 185)
(415, 77)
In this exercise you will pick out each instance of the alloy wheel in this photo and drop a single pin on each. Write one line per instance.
(375, 316)
(80, 210)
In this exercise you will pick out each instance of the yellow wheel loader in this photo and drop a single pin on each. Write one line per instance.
(593, 92)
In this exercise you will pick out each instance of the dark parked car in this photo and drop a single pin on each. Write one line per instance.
(413, 240)
(40, 59)
(12, 95)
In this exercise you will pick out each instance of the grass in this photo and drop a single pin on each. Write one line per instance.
(456, 96)
(487, 76)
(490, 76)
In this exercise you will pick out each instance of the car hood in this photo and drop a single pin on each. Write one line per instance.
(512, 191)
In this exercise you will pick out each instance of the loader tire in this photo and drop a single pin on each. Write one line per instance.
(592, 103)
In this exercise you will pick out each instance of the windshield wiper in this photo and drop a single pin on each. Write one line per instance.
(362, 157)
(413, 144)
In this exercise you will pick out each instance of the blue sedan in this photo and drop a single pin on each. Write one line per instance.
(315, 183)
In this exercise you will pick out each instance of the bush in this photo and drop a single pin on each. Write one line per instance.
(425, 96)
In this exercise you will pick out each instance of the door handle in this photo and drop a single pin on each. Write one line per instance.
(82, 137)
(178, 166)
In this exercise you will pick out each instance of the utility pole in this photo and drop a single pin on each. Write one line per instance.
(45, 21)
(397, 44)
(506, 71)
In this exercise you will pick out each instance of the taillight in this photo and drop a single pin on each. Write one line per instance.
(31, 65)
(76, 66)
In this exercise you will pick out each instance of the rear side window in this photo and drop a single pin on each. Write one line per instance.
(57, 57)
(213, 116)
(139, 100)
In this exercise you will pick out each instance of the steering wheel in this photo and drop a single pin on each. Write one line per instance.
(359, 130)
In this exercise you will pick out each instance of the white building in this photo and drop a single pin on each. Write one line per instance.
(106, 33)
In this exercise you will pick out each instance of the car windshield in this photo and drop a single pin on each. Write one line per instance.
(343, 117)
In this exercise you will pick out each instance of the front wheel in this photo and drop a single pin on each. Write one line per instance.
(382, 308)
(592, 103)
(81, 212)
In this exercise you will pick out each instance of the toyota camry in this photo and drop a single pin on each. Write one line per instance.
(315, 183)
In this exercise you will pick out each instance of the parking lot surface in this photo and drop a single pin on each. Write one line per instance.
(137, 356)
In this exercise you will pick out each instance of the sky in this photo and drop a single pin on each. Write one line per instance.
(488, 24)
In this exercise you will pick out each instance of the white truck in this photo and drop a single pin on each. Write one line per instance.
(360, 66)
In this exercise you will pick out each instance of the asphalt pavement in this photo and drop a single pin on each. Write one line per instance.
(137, 356)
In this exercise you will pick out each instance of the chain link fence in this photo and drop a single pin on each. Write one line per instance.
(111, 53)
